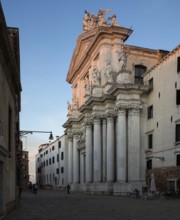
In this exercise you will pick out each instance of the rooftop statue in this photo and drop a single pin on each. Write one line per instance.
(90, 21)
(101, 18)
(113, 20)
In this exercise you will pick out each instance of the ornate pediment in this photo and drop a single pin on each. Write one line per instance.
(93, 40)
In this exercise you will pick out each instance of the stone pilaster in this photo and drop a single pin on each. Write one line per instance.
(97, 150)
(75, 159)
(121, 146)
(134, 144)
(110, 149)
(89, 153)
(70, 160)
(104, 150)
(82, 170)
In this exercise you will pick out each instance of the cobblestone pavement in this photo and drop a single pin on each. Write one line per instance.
(57, 205)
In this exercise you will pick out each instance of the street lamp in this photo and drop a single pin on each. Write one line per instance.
(25, 132)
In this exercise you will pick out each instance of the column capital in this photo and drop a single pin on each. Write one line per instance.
(104, 120)
(69, 137)
(110, 119)
(96, 120)
(87, 121)
(121, 111)
(76, 136)
(134, 111)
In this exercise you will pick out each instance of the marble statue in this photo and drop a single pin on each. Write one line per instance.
(113, 20)
(69, 107)
(96, 76)
(108, 72)
(86, 21)
(87, 87)
(101, 18)
(123, 58)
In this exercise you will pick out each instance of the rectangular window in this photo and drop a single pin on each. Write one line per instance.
(150, 141)
(149, 164)
(57, 171)
(151, 84)
(62, 155)
(59, 144)
(52, 147)
(178, 97)
(49, 161)
(177, 132)
(57, 157)
(178, 64)
(53, 160)
(62, 169)
(178, 160)
(150, 112)
(46, 162)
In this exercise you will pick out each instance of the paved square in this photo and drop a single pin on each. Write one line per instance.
(56, 205)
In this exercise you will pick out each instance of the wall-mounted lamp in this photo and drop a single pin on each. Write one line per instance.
(24, 132)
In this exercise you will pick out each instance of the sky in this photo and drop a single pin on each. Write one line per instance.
(48, 33)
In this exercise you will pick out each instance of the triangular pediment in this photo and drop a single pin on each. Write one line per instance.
(87, 42)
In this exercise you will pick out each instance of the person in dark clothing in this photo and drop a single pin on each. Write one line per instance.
(68, 188)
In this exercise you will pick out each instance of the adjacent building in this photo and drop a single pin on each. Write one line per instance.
(123, 122)
(50, 164)
(10, 102)
(25, 169)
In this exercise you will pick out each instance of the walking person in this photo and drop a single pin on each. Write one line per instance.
(68, 188)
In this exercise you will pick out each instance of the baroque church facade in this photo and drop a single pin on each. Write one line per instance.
(113, 138)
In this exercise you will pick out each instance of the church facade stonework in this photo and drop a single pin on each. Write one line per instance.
(107, 120)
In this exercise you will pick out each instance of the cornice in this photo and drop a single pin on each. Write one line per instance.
(163, 59)
(135, 88)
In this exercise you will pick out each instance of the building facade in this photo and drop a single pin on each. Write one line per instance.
(50, 164)
(10, 89)
(162, 149)
(25, 169)
(117, 127)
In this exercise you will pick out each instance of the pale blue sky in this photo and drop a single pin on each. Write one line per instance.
(48, 33)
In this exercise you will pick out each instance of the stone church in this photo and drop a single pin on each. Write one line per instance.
(113, 129)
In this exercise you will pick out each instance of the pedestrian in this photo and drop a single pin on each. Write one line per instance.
(68, 188)
(34, 188)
